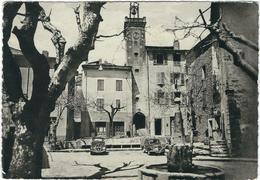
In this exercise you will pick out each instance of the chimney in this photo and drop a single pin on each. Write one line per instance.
(176, 45)
(45, 53)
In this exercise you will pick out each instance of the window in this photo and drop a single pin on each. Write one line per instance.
(182, 79)
(53, 119)
(119, 128)
(203, 76)
(161, 97)
(160, 78)
(177, 59)
(119, 84)
(118, 103)
(159, 58)
(100, 104)
(136, 70)
(204, 99)
(100, 85)
(177, 94)
(101, 128)
(172, 98)
(177, 78)
(172, 78)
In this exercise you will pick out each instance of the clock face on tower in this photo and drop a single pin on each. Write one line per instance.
(136, 35)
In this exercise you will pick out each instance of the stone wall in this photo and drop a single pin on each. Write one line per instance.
(200, 89)
(242, 19)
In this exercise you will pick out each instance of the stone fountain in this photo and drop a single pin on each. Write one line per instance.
(179, 163)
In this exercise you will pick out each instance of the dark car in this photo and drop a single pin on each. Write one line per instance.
(153, 146)
(98, 146)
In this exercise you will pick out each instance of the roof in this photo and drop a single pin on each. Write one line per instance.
(164, 48)
(199, 49)
(106, 66)
(22, 61)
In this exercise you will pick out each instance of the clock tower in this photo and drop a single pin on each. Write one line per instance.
(134, 36)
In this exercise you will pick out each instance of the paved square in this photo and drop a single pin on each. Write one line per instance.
(111, 166)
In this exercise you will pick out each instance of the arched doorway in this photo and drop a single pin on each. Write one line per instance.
(139, 120)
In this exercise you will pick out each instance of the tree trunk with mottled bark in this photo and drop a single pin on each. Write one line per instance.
(32, 117)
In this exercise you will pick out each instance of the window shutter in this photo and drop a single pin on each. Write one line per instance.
(172, 78)
(158, 77)
(172, 98)
(162, 77)
(155, 98)
(119, 84)
(166, 98)
(182, 79)
(154, 58)
(165, 58)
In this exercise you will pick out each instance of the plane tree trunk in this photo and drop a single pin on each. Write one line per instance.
(32, 117)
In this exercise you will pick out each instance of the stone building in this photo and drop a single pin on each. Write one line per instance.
(166, 82)
(222, 96)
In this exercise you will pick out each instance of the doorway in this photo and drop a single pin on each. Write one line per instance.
(172, 123)
(158, 126)
(139, 120)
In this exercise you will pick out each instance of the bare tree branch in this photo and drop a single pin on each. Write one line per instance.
(57, 39)
(112, 35)
(78, 21)
(78, 53)
(239, 38)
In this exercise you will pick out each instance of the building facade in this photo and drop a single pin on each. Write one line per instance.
(104, 85)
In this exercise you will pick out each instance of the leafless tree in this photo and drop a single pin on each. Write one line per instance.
(110, 109)
(74, 102)
(31, 116)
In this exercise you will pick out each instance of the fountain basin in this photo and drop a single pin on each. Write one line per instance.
(160, 172)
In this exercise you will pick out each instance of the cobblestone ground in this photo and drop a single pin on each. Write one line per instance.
(124, 165)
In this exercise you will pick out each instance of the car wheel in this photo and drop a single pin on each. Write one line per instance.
(149, 153)
(91, 153)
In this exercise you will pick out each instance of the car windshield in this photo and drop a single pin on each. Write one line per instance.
(154, 141)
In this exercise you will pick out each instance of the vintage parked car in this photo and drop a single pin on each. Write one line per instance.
(153, 146)
(98, 146)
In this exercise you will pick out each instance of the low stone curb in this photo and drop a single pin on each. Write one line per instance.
(207, 158)
(87, 150)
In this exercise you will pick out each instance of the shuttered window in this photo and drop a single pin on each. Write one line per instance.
(172, 98)
(160, 58)
(100, 104)
(119, 84)
(182, 79)
(172, 78)
(118, 103)
(160, 77)
(100, 85)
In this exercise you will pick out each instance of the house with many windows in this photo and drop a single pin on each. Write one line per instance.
(166, 72)
(107, 86)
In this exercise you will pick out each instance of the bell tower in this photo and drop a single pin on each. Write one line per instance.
(134, 36)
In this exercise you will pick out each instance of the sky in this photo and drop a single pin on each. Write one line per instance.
(159, 15)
